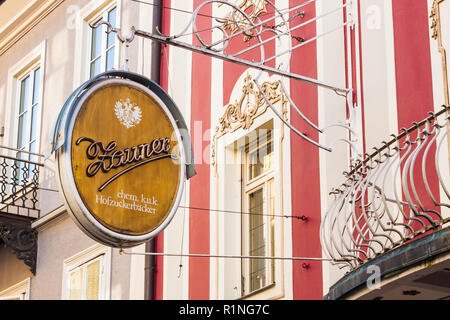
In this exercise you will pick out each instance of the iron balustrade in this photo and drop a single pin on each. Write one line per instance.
(19, 182)
(392, 196)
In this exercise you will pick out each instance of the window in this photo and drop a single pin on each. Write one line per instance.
(86, 274)
(103, 45)
(95, 50)
(85, 281)
(23, 114)
(258, 224)
(19, 291)
(27, 117)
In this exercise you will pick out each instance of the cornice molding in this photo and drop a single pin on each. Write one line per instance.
(26, 20)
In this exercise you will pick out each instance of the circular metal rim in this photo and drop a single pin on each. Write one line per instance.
(88, 222)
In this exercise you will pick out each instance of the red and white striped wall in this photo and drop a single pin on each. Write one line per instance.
(388, 58)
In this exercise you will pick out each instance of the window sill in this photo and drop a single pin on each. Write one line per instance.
(251, 294)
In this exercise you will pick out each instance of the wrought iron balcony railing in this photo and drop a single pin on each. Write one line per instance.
(391, 196)
(19, 182)
(19, 202)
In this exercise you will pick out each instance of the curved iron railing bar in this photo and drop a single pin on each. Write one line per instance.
(424, 173)
(340, 244)
(397, 159)
(363, 221)
(398, 173)
(363, 216)
(420, 142)
(379, 218)
(351, 215)
(330, 250)
(436, 159)
(406, 169)
(383, 202)
(340, 201)
(371, 186)
(403, 134)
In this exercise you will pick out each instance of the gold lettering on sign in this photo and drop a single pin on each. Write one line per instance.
(108, 157)
(125, 162)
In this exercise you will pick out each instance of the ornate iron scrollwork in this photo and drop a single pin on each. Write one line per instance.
(22, 240)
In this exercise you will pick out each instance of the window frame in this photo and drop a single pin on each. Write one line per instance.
(29, 72)
(80, 261)
(103, 15)
(19, 291)
(89, 14)
(250, 186)
(18, 72)
(84, 267)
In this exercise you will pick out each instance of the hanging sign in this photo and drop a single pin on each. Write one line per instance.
(122, 168)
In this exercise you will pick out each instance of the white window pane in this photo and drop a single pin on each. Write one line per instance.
(260, 161)
(112, 17)
(257, 241)
(24, 94)
(110, 59)
(37, 73)
(21, 130)
(76, 285)
(93, 280)
(95, 67)
(33, 129)
(96, 41)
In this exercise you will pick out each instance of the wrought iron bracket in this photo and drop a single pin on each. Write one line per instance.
(22, 240)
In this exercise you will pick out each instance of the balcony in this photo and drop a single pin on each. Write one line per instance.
(392, 213)
(19, 205)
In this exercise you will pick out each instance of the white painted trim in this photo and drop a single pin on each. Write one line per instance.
(438, 89)
(36, 57)
(49, 219)
(19, 291)
(176, 280)
(137, 273)
(217, 103)
(283, 243)
(15, 29)
(90, 12)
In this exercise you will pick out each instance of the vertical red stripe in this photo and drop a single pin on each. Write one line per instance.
(200, 184)
(412, 61)
(414, 78)
(305, 183)
(164, 82)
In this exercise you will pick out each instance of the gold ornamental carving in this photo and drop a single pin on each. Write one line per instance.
(242, 113)
(436, 27)
(235, 20)
(437, 35)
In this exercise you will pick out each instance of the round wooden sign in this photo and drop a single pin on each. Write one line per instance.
(122, 169)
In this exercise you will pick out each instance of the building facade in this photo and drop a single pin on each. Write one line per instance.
(281, 161)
